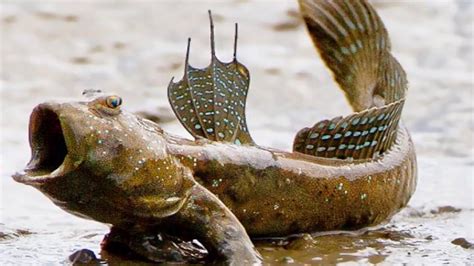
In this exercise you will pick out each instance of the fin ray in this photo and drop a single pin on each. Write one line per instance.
(210, 102)
(359, 136)
(355, 45)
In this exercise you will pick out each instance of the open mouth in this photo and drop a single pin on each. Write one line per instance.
(48, 146)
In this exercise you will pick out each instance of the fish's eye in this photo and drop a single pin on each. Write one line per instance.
(113, 101)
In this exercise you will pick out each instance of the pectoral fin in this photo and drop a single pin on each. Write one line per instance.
(214, 225)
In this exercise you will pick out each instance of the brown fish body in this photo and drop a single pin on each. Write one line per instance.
(276, 193)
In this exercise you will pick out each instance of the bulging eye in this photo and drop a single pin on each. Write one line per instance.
(113, 101)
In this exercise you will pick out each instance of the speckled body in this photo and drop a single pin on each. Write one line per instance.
(139, 171)
(276, 193)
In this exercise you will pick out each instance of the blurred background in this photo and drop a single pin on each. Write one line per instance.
(56, 49)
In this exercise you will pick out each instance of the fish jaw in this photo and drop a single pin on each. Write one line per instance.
(53, 143)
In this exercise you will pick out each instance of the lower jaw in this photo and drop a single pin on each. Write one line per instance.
(36, 177)
(33, 178)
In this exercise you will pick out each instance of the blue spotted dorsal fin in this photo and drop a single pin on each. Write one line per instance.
(210, 102)
(352, 40)
(363, 135)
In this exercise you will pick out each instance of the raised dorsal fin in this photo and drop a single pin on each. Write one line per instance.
(353, 42)
(210, 102)
(359, 136)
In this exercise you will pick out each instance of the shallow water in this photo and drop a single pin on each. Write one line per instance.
(52, 50)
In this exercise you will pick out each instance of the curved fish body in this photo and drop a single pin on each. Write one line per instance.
(100, 162)
(276, 193)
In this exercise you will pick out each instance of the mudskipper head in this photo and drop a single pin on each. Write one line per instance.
(96, 160)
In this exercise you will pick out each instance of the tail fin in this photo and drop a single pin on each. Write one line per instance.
(210, 102)
(354, 44)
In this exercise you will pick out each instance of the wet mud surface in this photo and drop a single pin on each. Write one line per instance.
(53, 50)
